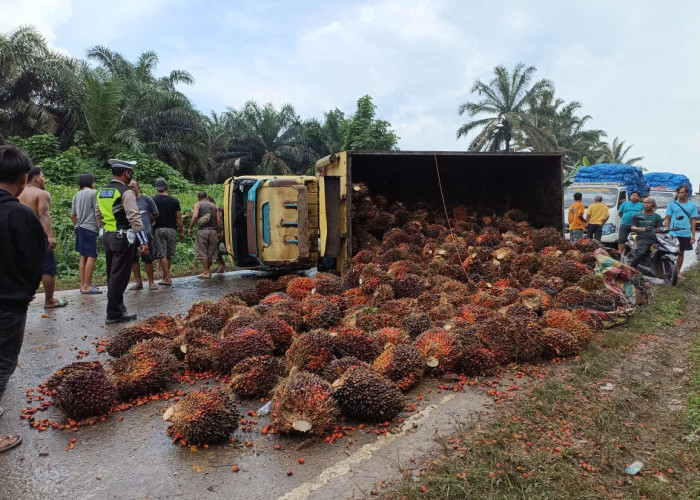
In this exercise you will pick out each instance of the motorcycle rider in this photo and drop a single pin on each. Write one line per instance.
(645, 224)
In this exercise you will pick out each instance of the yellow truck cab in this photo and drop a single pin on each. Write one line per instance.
(300, 222)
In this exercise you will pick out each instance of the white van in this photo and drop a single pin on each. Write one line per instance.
(613, 195)
(664, 197)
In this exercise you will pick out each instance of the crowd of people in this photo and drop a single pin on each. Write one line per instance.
(639, 217)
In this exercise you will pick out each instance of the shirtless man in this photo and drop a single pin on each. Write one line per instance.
(38, 200)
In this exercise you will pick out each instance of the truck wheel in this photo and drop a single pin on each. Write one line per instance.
(670, 272)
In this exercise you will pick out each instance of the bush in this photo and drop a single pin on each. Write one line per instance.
(69, 165)
(149, 169)
(38, 147)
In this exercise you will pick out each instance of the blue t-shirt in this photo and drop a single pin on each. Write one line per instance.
(682, 225)
(628, 209)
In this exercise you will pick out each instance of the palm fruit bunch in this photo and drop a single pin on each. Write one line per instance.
(353, 342)
(381, 294)
(490, 237)
(392, 336)
(199, 348)
(164, 344)
(559, 344)
(127, 337)
(441, 351)
(320, 312)
(416, 323)
(586, 245)
(568, 270)
(535, 298)
(84, 394)
(337, 367)
(204, 416)
(303, 402)
(403, 364)
(256, 376)
(201, 307)
(281, 333)
(543, 238)
(212, 321)
(364, 394)
(167, 325)
(561, 319)
(136, 375)
(249, 296)
(239, 317)
(525, 333)
(605, 300)
(265, 287)
(371, 319)
(355, 297)
(549, 286)
(283, 281)
(246, 343)
(592, 282)
(311, 351)
(498, 335)
(372, 276)
(472, 313)
(589, 318)
(478, 361)
(273, 298)
(328, 284)
(288, 311)
(403, 267)
(572, 297)
(300, 287)
(69, 370)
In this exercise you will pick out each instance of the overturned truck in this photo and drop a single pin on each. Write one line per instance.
(299, 222)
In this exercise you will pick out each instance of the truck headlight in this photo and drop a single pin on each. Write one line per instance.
(609, 228)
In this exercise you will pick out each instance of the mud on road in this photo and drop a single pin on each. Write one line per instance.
(130, 455)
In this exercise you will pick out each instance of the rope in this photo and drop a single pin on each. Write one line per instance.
(447, 217)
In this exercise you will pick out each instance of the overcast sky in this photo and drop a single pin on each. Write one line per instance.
(633, 64)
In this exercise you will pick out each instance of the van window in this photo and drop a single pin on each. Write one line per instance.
(609, 194)
(663, 198)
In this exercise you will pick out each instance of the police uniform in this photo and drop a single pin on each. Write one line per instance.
(118, 211)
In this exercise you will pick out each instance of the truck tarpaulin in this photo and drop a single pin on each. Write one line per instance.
(631, 177)
(668, 180)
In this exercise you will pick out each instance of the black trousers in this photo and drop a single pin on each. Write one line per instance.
(594, 231)
(120, 256)
(643, 247)
(11, 337)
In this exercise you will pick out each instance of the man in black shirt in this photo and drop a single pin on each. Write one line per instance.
(22, 255)
(164, 230)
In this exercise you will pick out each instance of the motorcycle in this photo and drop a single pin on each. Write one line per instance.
(661, 261)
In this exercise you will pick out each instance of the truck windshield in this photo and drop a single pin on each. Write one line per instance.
(609, 194)
(663, 198)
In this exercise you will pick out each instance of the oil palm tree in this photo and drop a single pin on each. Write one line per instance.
(616, 152)
(505, 101)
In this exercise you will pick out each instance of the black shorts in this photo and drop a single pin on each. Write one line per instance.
(625, 231)
(146, 258)
(684, 243)
(50, 263)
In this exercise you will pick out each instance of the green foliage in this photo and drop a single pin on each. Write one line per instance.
(69, 165)
(38, 147)
(148, 169)
(363, 132)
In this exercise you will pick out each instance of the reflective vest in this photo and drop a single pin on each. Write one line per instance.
(109, 200)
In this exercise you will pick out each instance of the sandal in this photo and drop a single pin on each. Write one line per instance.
(204, 276)
(93, 290)
(10, 441)
(59, 303)
(136, 287)
(152, 286)
(165, 283)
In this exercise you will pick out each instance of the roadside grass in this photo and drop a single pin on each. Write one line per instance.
(567, 437)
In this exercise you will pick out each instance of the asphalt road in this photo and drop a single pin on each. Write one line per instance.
(134, 458)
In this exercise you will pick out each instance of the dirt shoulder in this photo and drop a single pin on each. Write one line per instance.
(569, 430)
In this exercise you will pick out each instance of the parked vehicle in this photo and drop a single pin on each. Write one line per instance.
(297, 222)
(613, 195)
(661, 261)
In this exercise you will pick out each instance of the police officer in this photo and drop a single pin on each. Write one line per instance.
(118, 213)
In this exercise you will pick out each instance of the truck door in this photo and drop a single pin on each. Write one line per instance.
(275, 222)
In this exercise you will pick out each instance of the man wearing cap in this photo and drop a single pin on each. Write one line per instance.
(164, 230)
(118, 213)
(598, 214)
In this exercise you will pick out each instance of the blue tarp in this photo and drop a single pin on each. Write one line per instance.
(631, 177)
(668, 180)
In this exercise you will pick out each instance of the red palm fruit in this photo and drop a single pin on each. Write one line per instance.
(568, 270)
(280, 331)
(265, 287)
(300, 287)
(489, 237)
(288, 311)
(356, 343)
(472, 313)
(239, 317)
(403, 267)
(440, 350)
(371, 277)
(204, 416)
(320, 312)
(246, 343)
(328, 284)
(356, 297)
(371, 319)
(256, 376)
(311, 351)
(416, 323)
(478, 361)
(303, 402)
(572, 297)
(562, 319)
(85, 394)
(392, 335)
(79, 366)
(337, 367)
(559, 344)
(274, 298)
(590, 318)
(283, 281)
(199, 348)
(136, 375)
(167, 325)
(541, 238)
(364, 394)
(127, 336)
(534, 298)
(403, 364)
